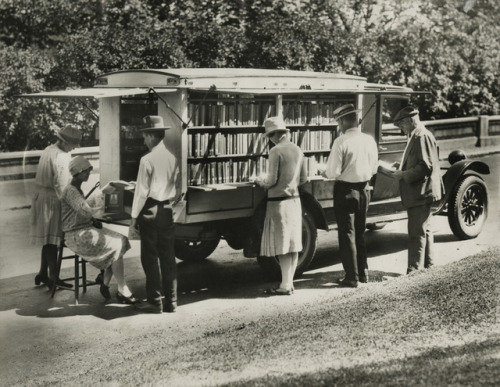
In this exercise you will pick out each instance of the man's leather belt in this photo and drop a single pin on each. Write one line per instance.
(280, 198)
(348, 184)
(157, 202)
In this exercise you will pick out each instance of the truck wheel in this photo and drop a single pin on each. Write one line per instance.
(193, 251)
(468, 207)
(270, 265)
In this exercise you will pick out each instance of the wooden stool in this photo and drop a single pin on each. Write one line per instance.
(80, 276)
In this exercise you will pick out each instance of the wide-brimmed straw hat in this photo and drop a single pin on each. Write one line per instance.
(344, 111)
(70, 134)
(408, 111)
(78, 164)
(274, 124)
(152, 123)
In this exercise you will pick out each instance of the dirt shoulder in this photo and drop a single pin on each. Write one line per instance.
(436, 327)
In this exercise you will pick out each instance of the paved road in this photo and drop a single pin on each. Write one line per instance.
(387, 247)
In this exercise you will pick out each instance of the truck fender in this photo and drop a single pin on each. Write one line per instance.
(455, 173)
(309, 202)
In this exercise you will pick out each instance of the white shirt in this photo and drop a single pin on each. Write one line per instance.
(158, 178)
(353, 158)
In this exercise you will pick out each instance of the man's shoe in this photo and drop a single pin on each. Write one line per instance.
(169, 307)
(363, 280)
(149, 308)
(347, 283)
(411, 270)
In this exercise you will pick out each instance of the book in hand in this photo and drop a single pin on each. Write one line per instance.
(386, 168)
(120, 184)
(133, 233)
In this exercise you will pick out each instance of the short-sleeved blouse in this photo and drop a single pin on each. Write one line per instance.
(99, 246)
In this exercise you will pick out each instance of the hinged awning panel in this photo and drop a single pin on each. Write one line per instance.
(95, 92)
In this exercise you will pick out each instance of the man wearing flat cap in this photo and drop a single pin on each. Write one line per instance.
(158, 186)
(352, 163)
(420, 185)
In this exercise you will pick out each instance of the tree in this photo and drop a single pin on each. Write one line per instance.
(449, 47)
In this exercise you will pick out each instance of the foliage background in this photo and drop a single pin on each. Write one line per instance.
(449, 47)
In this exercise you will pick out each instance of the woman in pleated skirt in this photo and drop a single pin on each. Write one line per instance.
(282, 232)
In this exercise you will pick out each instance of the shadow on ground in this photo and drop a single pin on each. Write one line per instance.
(226, 275)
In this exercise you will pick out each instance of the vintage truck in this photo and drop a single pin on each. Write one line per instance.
(216, 118)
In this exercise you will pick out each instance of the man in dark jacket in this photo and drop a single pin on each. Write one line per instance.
(420, 185)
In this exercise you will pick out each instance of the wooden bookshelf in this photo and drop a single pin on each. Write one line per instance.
(226, 142)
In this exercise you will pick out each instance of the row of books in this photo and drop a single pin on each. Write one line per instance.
(236, 171)
(254, 113)
(230, 114)
(217, 143)
(309, 113)
(313, 140)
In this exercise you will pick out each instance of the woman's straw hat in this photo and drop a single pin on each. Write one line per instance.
(274, 124)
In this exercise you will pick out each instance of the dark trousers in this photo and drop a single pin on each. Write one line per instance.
(351, 202)
(420, 237)
(156, 228)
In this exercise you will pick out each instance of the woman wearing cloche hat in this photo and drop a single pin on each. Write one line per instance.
(52, 175)
(282, 234)
(101, 247)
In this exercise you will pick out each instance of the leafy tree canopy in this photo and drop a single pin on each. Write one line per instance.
(449, 47)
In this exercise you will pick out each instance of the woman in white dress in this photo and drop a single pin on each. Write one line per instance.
(101, 247)
(52, 176)
(282, 233)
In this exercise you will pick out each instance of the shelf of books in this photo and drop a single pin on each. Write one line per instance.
(226, 142)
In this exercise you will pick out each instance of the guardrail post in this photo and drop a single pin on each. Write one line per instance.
(482, 135)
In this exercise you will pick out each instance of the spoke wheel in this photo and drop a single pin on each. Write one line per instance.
(468, 207)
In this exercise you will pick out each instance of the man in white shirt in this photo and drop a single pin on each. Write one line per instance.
(352, 163)
(158, 186)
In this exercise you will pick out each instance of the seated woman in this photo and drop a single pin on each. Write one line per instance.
(101, 247)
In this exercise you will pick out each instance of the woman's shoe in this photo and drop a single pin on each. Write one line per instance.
(126, 300)
(99, 279)
(41, 279)
(105, 291)
(279, 292)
